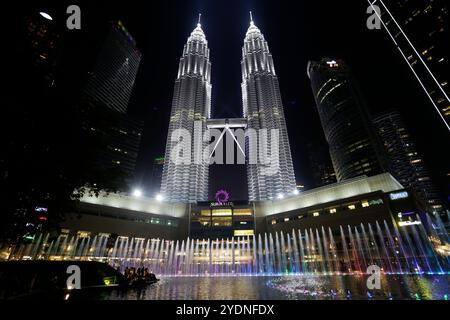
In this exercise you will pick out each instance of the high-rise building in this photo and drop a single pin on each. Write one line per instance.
(191, 106)
(115, 70)
(353, 144)
(156, 177)
(322, 170)
(404, 161)
(263, 109)
(420, 30)
(121, 138)
(105, 101)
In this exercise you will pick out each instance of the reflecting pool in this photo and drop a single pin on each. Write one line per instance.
(298, 287)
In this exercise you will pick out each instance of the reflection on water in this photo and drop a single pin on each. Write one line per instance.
(290, 287)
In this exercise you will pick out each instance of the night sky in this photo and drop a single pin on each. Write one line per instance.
(296, 31)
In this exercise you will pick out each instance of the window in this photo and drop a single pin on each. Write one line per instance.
(286, 219)
(240, 233)
(222, 222)
(242, 212)
(205, 212)
(316, 214)
(273, 222)
(352, 207)
(333, 210)
(365, 203)
(221, 212)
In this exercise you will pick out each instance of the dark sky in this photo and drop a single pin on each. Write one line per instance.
(296, 31)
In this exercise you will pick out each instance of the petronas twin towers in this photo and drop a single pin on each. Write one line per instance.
(191, 111)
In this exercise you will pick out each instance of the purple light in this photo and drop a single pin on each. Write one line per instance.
(222, 196)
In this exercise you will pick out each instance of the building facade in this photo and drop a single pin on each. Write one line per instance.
(263, 109)
(187, 180)
(112, 78)
(353, 145)
(404, 161)
(420, 30)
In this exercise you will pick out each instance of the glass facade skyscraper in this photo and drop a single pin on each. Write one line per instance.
(404, 161)
(354, 147)
(115, 70)
(420, 29)
(263, 109)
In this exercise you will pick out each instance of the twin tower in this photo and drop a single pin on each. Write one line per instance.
(191, 112)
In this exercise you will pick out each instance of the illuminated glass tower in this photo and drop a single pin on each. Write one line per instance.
(113, 76)
(420, 30)
(191, 106)
(263, 109)
(353, 144)
(404, 161)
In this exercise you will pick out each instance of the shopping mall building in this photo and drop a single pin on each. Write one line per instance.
(348, 203)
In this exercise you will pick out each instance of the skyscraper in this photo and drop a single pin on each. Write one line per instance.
(112, 78)
(105, 99)
(156, 177)
(263, 109)
(404, 161)
(322, 170)
(354, 147)
(191, 106)
(420, 30)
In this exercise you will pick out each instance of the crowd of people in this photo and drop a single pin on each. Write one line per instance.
(139, 275)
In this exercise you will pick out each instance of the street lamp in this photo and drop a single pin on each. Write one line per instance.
(159, 197)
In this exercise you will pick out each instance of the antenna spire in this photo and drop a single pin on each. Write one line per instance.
(251, 17)
(199, 17)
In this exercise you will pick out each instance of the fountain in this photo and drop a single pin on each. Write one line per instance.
(319, 251)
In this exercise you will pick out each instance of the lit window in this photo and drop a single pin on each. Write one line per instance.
(274, 221)
(221, 212)
(242, 212)
(352, 207)
(316, 214)
(286, 219)
(240, 233)
(365, 203)
(333, 210)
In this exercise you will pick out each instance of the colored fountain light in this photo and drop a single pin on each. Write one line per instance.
(320, 252)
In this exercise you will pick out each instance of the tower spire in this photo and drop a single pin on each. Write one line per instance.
(251, 18)
(199, 17)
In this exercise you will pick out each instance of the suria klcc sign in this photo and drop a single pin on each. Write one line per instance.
(222, 199)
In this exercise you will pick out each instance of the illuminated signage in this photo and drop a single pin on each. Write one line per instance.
(221, 204)
(398, 195)
(40, 209)
(402, 214)
(408, 223)
(222, 196)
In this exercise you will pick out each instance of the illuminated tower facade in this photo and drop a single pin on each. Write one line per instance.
(191, 106)
(352, 141)
(263, 109)
(420, 30)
